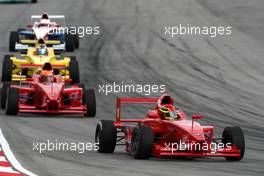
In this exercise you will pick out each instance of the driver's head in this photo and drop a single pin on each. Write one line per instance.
(47, 66)
(167, 112)
(46, 76)
(166, 99)
(44, 21)
(164, 112)
(45, 16)
(42, 50)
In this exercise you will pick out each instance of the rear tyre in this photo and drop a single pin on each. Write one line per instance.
(76, 41)
(142, 142)
(34, 1)
(105, 136)
(7, 69)
(13, 39)
(90, 100)
(69, 42)
(72, 58)
(4, 92)
(12, 101)
(74, 71)
(234, 135)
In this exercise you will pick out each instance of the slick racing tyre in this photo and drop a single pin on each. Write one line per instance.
(105, 136)
(69, 42)
(142, 142)
(234, 136)
(7, 68)
(4, 92)
(90, 100)
(13, 39)
(12, 101)
(76, 41)
(74, 71)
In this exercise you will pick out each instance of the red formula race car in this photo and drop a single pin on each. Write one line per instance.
(166, 131)
(48, 93)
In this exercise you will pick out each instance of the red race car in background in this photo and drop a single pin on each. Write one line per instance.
(48, 93)
(166, 131)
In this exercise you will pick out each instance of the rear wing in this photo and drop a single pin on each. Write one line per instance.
(27, 44)
(50, 16)
(59, 19)
(120, 101)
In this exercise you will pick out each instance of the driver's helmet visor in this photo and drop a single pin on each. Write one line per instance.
(167, 113)
(42, 51)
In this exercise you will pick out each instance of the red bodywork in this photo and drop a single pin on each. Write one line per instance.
(53, 98)
(170, 133)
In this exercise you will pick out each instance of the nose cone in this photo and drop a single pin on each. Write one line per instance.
(52, 90)
(195, 131)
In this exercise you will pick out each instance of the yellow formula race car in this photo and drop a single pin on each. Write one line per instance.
(18, 69)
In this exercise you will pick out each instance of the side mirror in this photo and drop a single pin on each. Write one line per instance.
(197, 117)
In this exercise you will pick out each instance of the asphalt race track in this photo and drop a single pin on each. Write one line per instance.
(221, 78)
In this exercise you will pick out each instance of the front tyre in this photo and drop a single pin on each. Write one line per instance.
(13, 39)
(12, 101)
(74, 71)
(7, 68)
(4, 92)
(234, 135)
(90, 100)
(69, 42)
(105, 136)
(142, 142)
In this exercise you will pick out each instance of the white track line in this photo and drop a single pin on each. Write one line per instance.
(11, 158)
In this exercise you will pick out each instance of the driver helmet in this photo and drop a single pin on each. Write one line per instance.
(166, 108)
(164, 112)
(44, 21)
(45, 16)
(42, 50)
(46, 74)
(168, 112)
